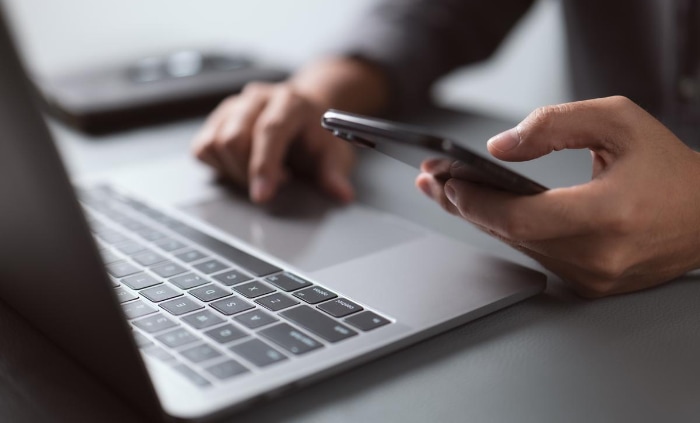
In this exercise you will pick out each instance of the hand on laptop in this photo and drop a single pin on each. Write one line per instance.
(636, 224)
(259, 137)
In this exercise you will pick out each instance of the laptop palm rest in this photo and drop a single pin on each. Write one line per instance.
(304, 229)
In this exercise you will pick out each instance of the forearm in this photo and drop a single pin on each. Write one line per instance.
(415, 42)
(343, 83)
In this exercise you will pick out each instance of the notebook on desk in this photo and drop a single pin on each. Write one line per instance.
(189, 322)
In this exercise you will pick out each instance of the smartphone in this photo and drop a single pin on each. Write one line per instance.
(442, 157)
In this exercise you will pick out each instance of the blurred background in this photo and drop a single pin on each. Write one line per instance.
(528, 71)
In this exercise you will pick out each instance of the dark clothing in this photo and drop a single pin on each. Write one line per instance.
(647, 50)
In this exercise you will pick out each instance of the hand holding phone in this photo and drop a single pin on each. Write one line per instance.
(440, 156)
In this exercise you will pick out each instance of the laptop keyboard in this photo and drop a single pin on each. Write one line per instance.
(210, 310)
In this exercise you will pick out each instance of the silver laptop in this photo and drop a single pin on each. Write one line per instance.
(189, 322)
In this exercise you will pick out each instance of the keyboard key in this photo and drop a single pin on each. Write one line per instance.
(367, 320)
(276, 301)
(290, 338)
(109, 256)
(287, 281)
(148, 258)
(150, 234)
(226, 370)
(123, 295)
(232, 277)
(191, 375)
(140, 281)
(188, 280)
(136, 309)
(190, 256)
(318, 323)
(225, 333)
(202, 319)
(211, 266)
(231, 305)
(177, 338)
(168, 269)
(121, 269)
(253, 289)
(130, 247)
(180, 306)
(132, 225)
(200, 353)
(255, 319)
(160, 293)
(258, 353)
(340, 307)
(111, 236)
(159, 353)
(209, 292)
(154, 323)
(250, 263)
(315, 294)
(169, 244)
(141, 340)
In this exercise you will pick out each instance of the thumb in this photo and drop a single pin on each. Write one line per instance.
(595, 124)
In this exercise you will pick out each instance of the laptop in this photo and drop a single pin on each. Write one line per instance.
(189, 322)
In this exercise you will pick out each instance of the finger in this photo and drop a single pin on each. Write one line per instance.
(336, 165)
(274, 131)
(232, 142)
(596, 124)
(202, 143)
(434, 189)
(554, 213)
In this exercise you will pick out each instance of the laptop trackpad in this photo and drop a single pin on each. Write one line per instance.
(303, 228)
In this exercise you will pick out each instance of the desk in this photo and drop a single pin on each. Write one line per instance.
(553, 358)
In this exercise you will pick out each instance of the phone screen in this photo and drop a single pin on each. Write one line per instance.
(442, 157)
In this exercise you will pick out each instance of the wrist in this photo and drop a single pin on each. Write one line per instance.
(343, 83)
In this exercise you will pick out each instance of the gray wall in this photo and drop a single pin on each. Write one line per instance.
(527, 72)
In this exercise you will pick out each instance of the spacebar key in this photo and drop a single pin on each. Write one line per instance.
(240, 258)
(318, 323)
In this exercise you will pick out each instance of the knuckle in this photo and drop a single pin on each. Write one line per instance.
(620, 102)
(270, 125)
(228, 101)
(623, 220)
(255, 89)
(545, 116)
(609, 266)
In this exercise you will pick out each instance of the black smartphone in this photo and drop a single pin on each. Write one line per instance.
(443, 157)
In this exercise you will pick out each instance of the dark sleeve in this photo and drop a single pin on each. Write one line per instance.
(416, 41)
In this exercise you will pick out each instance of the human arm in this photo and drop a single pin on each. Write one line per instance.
(415, 42)
(635, 225)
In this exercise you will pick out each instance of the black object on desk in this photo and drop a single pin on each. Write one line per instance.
(149, 90)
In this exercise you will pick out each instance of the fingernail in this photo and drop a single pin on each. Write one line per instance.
(260, 189)
(506, 140)
(450, 193)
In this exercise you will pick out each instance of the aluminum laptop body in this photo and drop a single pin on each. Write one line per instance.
(52, 272)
